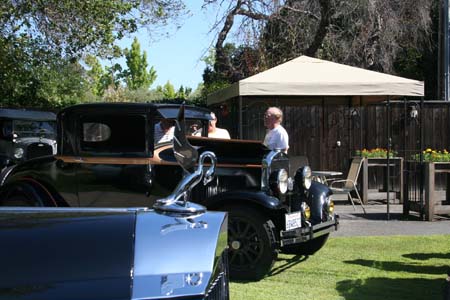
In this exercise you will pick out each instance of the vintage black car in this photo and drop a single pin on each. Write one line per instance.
(107, 156)
(176, 251)
(26, 134)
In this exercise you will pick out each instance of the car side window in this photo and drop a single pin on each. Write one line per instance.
(113, 135)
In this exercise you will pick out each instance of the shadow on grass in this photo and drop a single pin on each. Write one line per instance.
(426, 256)
(399, 267)
(288, 263)
(390, 289)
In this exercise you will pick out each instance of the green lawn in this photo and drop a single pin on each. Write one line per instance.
(359, 268)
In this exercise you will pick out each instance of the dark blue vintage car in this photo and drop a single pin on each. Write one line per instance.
(178, 250)
(75, 253)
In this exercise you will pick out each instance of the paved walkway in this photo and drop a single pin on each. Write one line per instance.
(375, 223)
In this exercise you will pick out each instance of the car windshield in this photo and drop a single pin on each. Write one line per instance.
(164, 128)
(28, 128)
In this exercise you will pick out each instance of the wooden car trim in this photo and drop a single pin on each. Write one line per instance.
(114, 160)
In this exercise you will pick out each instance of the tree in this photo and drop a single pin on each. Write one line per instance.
(41, 42)
(96, 76)
(168, 90)
(363, 33)
(137, 76)
(30, 75)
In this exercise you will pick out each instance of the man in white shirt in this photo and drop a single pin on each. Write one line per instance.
(276, 136)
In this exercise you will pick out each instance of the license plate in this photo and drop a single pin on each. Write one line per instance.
(293, 220)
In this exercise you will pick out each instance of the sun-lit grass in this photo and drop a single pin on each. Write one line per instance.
(359, 268)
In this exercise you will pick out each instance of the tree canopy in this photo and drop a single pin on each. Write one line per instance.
(74, 27)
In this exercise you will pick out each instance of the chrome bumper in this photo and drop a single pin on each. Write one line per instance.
(304, 234)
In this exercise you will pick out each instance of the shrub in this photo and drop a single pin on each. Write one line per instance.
(430, 155)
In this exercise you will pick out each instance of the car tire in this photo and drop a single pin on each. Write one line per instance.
(252, 245)
(307, 248)
(22, 194)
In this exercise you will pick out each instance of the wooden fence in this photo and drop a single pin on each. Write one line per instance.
(329, 131)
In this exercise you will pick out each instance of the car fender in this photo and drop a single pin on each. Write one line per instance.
(317, 195)
(39, 173)
(241, 196)
(5, 173)
(23, 169)
(4, 161)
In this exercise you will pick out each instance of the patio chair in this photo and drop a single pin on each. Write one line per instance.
(347, 186)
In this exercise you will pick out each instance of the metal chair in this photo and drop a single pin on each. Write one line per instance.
(347, 186)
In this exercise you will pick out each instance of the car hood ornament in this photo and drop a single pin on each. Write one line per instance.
(187, 157)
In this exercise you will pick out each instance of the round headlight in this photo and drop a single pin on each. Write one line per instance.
(18, 153)
(282, 181)
(279, 181)
(307, 177)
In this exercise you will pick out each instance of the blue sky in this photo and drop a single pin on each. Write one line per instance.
(177, 58)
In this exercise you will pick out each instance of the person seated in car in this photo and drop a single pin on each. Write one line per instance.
(216, 132)
(213, 130)
(164, 131)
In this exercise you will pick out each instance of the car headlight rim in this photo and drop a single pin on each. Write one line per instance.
(18, 153)
(282, 181)
(307, 177)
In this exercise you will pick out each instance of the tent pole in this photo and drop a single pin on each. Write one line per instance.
(240, 117)
(422, 167)
(361, 119)
(388, 152)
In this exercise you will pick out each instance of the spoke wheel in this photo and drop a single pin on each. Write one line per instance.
(251, 242)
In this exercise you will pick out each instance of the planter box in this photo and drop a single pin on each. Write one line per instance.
(432, 199)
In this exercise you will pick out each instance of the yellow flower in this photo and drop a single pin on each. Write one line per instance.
(428, 150)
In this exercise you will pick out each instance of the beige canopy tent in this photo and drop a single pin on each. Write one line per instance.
(307, 76)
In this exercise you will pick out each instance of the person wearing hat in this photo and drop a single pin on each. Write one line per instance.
(216, 132)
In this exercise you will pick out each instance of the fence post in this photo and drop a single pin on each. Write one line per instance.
(365, 181)
(429, 191)
(405, 187)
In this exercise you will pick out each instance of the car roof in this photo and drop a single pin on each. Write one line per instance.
(168, 111)
(24, 114)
